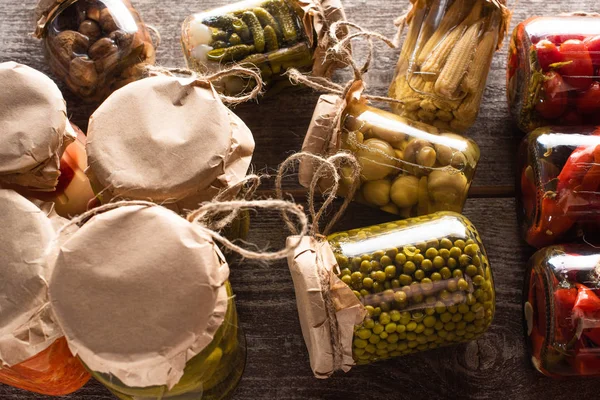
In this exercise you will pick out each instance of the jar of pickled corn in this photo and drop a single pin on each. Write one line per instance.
(272, 35)
(141, 335)
(392, 289)
(33, 354)
(559, 184)
(406, 167)
(94, 46)
(552, 73)
(562, 310)
(445, 60)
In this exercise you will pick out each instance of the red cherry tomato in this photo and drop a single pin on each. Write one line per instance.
(589, 101)
(579, 72)
(547, 53)
(593, 45)
(561, 38)
(554, 99)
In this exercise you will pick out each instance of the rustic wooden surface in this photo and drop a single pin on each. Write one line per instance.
(494, 366)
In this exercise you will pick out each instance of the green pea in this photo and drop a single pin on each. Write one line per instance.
(429, 310)
(402, 346)
(463, 308)
(411, 335)
(377, 287)
(385, 261)
(420, 328)
(429, 332)
(411, 326)
(409, 268)
(426, 284)
(400, 296)
(436, 276)
(471, 270)
(393, 338)
(374, 339)
(385, 307)
(391, 253)
(365, 266)
(444, 253)
(367, 283)
(356, 293)
(429, 321)
(452, 286)
(464, 260)
(461, 325)
(364, 292)
(460, 244)
(400, 259)
(438, 262)
(395, 283)
(457, 273)
(431, 253)
(446, 317)
(438, 325)
(442, 333)
(390, 271)
(383, 335)
(419, 274)
(444, 295)
(366, 257)
(378, 254)
(346, 271)
(463, 284)
(358, 352)
(478, 280)
(446, 243)
(378, 328)
(418, 298)
(476, 307)
(457, 317)
(391, 327)
(455, 252)
(449, 326)
(363, 334)
(412, 345)
(440, 307)
(380, 276)
(418, 258)
(417, 316)
(400, 328)
(452, 263)
(347, 279)
(384, 318)
(452, 309)
(405, 318)
(471, 249)
(360, 343)
(476, 261)
(356, 276)
(375, 266)
(369, 324)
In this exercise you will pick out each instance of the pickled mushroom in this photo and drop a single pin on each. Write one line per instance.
(376, 159)
(447, 186)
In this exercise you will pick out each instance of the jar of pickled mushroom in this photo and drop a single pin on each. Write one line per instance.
(40, 156)
(141, 335)
(272, 35)
(562, 310)
(34, 355)
(445, 60)
(406, 167)
(184, 146)
(94, 46)
(559, 182)
(392, 289)
(553, 72)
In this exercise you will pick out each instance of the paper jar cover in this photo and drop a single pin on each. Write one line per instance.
(26, 323)
(138, 292)
(169, 140)
(313, 268)
(34, 128)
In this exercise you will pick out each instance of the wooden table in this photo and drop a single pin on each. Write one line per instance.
(494, 366)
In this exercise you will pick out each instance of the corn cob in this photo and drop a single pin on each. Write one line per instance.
(441, 125)
(443, 115)
(425, 116)
(482, 60)
(446, 105)
(434, 14)
(410, 41)
(455, 68)
(459, 126)
(452, 18)
(427, 105)
(467, 111)
(431, 68)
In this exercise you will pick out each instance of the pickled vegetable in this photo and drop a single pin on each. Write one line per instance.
(445, 60)
(559, 183)
(562, 310)
(552, 74)
(425, 283)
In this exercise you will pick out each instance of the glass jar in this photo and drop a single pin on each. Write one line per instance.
(211, 375)
(445, 60)
(552, 73)
(562, 310)
(558, 184)
(53, 372)
(425, 282)
(272, 35)
(95, 46)
(407, 168)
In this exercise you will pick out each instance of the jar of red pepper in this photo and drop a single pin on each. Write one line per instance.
(553, 72)
(559, 183)
(562, 310)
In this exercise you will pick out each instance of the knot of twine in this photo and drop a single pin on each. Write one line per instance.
(238, 71)
(215, 208)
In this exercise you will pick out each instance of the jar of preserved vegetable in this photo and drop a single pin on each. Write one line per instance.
(559, 184)
(562, 310)
(33, 354)
(272, 35)
(407, 168)
(40, 157)
(445, 60)
(392, 289)
(141, 335)
(552, 73)
(94, 46)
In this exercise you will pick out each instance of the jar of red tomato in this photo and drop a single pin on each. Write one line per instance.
(553, 71)
(562, 310)
(559, 184)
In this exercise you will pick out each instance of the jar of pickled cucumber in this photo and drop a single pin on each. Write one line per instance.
(552, 73)
(392, 289)
(406, 167)
(559, 184)
(562, 310)
(141, 335)
(33, 354)
(445, 60)
(94, 46)
(273, 35)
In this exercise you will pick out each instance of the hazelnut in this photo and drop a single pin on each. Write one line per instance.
(68, 44)
(91, 29)
(83, 72)
(107, 22)
(122, 39)
(102, 48)
(93, 12)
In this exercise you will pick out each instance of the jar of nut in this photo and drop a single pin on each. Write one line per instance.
(94, 46)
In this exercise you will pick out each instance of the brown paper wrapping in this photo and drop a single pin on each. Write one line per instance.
(328, 309)
(34, 126)
(319, 15)
(27, 326)
(140, 301)
(169, 140)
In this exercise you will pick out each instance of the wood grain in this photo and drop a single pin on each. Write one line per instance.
(495, 366)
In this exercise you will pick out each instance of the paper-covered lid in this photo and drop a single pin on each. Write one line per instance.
(26, 323)
(34, 128)
(168, 140)
(138, 292)
(327, 307)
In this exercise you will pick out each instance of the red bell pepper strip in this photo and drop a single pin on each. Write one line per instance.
(552, 224)
(586, 313)
(564, 301)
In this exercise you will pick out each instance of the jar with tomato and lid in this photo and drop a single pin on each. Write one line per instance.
(559, 184)
(34, 355)
(553, 75)
(562, 310)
